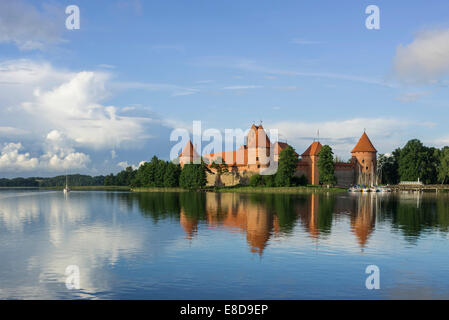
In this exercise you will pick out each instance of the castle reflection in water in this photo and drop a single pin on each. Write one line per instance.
(265, 217)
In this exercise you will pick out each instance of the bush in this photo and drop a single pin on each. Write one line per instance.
(255, 180)
(300, 181)
(268, 181)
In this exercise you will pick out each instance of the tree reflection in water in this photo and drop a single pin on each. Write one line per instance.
(264, 216)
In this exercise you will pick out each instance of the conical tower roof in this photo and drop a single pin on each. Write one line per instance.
(364, 145)
(313, 149)
(189, 150)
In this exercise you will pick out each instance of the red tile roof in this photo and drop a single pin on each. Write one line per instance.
(313, 150)
(279, 146)
(364, 145)
(189, 151)
(236, 157)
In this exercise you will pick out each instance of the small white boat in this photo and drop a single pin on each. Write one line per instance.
(354, 189)
(66, 188)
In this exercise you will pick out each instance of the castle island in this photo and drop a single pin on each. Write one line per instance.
(258, 153)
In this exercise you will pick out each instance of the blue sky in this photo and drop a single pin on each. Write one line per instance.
(110, 93)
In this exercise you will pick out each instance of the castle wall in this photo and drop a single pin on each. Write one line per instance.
(345, 174)
(228, 179)
(303, 169)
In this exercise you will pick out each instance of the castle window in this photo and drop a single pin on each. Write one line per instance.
(363, 160)
(258, 166)
(257, 158)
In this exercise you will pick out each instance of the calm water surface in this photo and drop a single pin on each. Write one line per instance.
(222, 246)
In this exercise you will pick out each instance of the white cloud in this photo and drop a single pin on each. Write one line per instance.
(27, 27)
(440, 142)
(11, 131)
(411, 96)
(12, 160)
(124, 165)
(106, 66)
(186, 92)
(426, 59)
(58, 156)
(30, 73)
(253, 66)
(74, 108)
(60, 111)
(289, 88)
(386, 134)
(242, 87)
(174, 89)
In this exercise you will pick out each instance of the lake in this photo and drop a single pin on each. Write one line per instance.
(222, 245)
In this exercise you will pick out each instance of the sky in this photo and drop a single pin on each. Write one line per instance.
(109, 94)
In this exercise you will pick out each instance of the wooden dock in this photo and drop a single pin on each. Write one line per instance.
(421, 188)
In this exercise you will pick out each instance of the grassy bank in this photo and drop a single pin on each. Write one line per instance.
(305, 189)
(156, 189)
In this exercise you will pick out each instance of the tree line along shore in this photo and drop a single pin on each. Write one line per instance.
(412, 162)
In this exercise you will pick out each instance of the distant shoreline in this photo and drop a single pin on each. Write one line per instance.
(232, 189)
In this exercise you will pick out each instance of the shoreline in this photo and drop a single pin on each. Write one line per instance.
(298, 189)
(237, 189)
(87, 188)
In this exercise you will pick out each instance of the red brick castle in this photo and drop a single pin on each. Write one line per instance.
(257, 153)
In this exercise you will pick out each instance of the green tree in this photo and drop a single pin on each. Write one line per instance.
(109, 180)
(193, 176)
(326, 166)
(125, 177)
(387, 167)
(145, 176)
(443, 168)
(417, 161)
(159, 173)
(220, 166)
(171, 177)
(288, 160)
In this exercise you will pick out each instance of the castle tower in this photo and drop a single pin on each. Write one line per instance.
(188, 154)
(258, 145)
(364, 156)
(310, 156)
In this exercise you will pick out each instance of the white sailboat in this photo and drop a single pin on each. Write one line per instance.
(66, 188)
